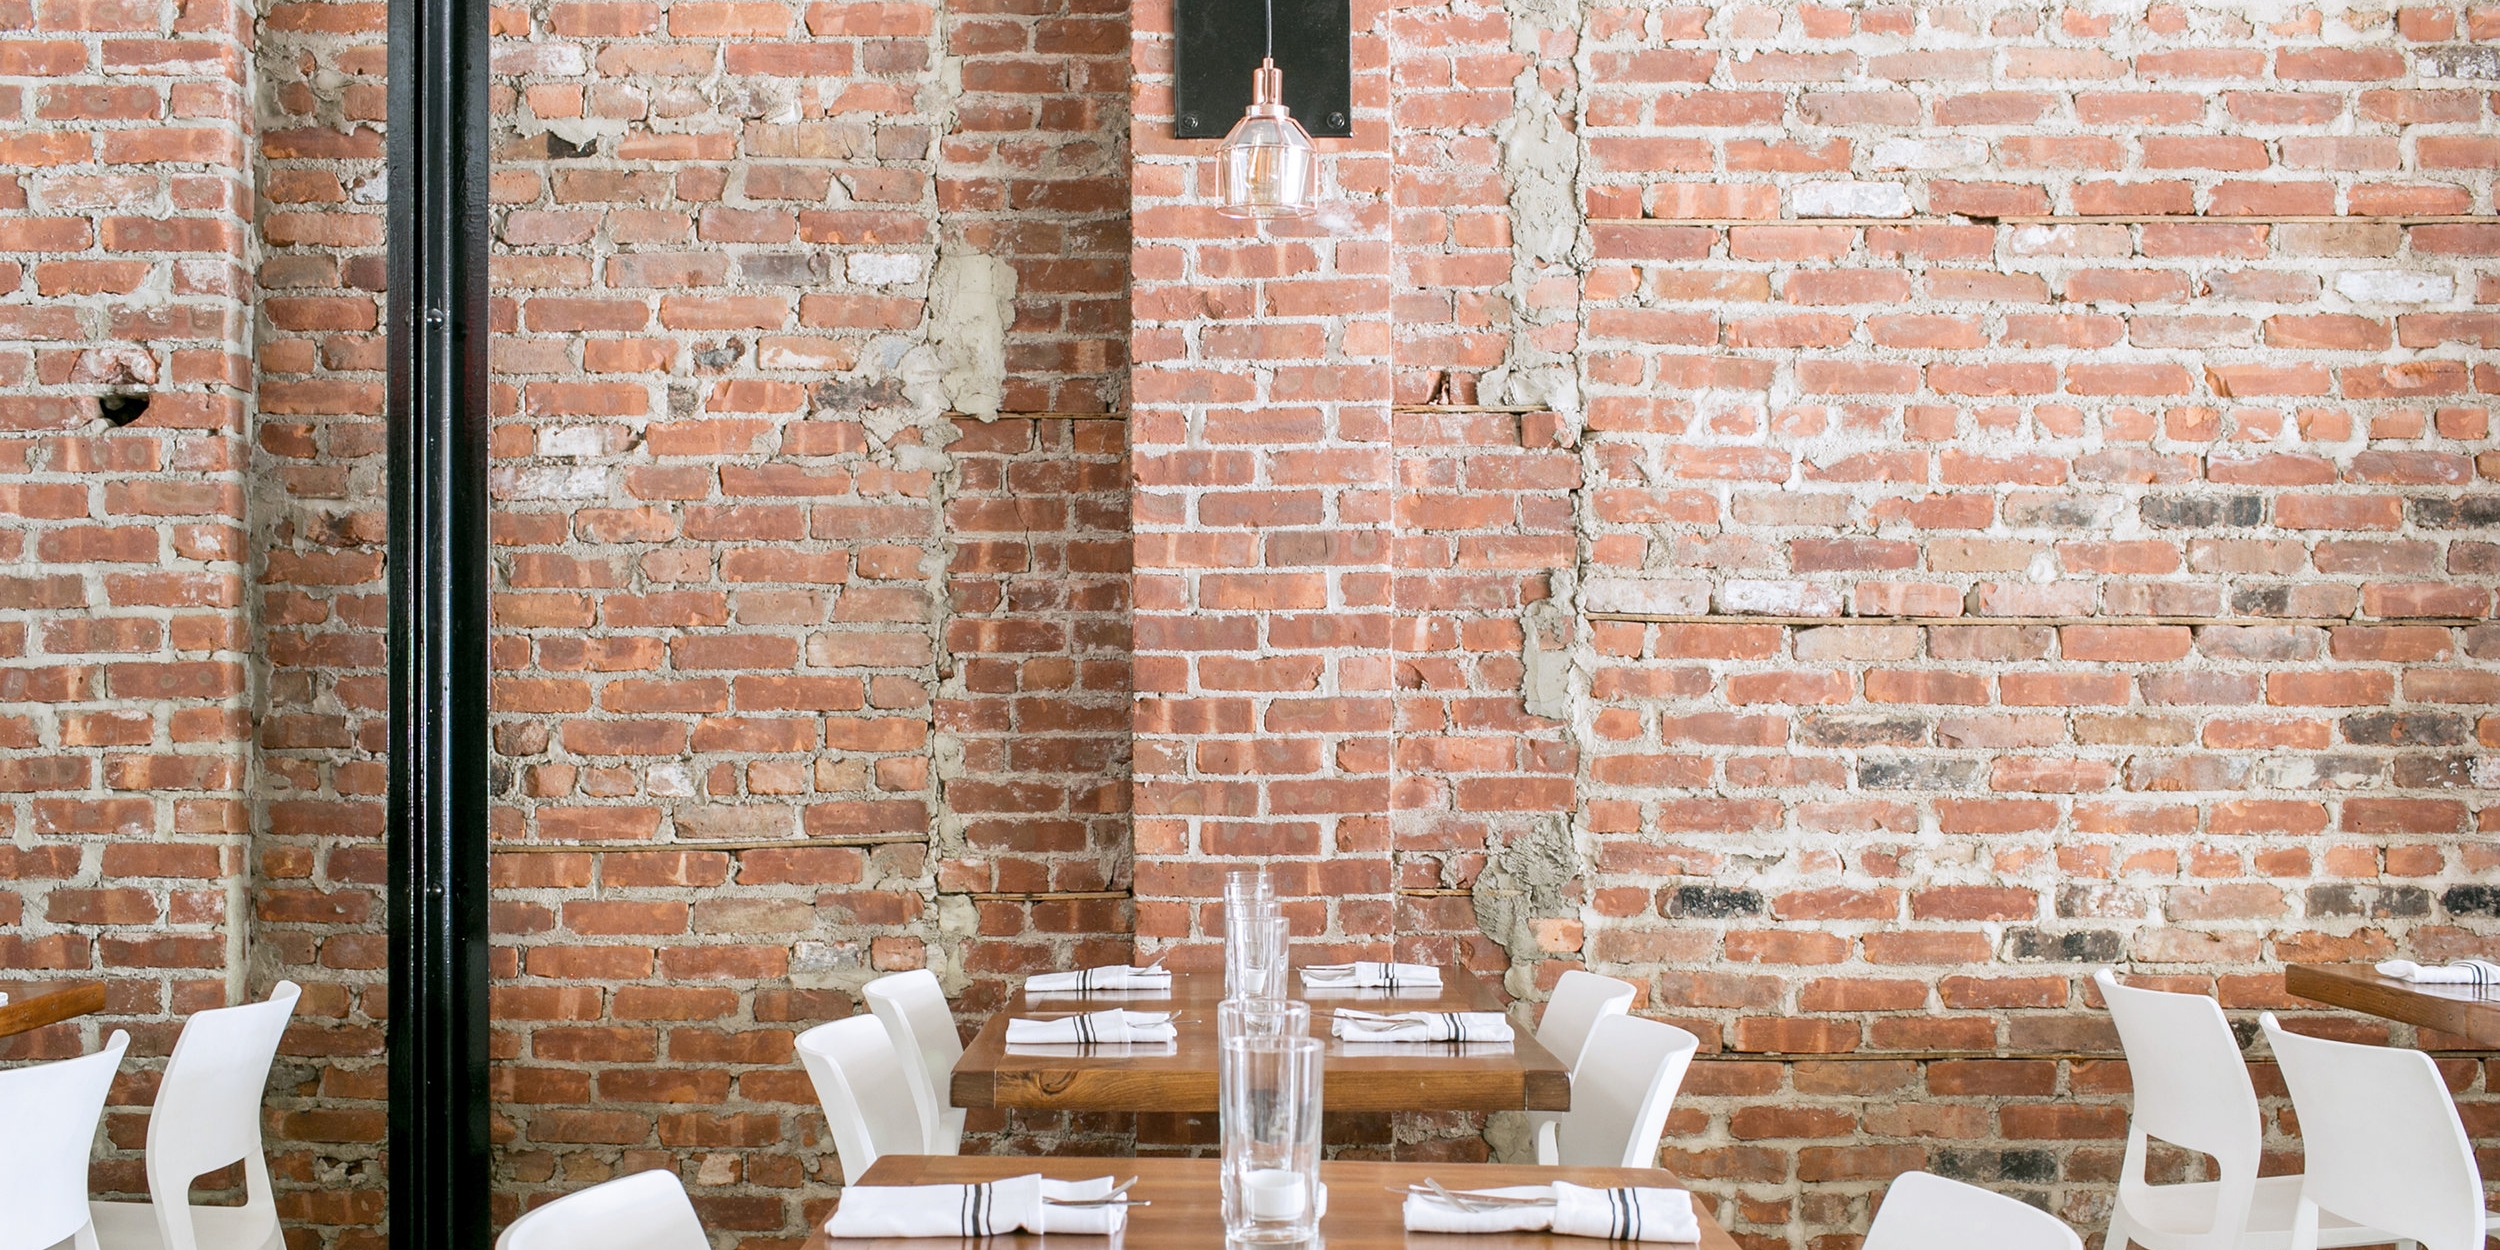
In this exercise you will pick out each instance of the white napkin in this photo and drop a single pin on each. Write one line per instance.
(1115, 977)
(1114, 1025)
(1422, 1026)
(1574, 1211)
(1370, 976)
(974, 1210)
(1427, 1214)
(2461, 972)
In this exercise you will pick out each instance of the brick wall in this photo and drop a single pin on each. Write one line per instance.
(1853, 631)
(1921, 838)
(1264, 484)
(856, 670)
(124, 689)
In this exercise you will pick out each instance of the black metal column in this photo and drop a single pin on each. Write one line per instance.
(440, 1184)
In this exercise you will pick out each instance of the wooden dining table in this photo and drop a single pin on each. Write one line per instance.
(1179, 1076)
(2466, 1011)
(33, 1011)
(1365, 1202)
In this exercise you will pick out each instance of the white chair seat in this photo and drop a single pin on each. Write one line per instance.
(2188, 1211)
(642, 1211)
(132, 1226)
(1922, 1211)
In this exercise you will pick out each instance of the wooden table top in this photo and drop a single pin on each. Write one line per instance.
(26, 1014)
(1179, 1076)
(2462, 1010)
(1363, 1213)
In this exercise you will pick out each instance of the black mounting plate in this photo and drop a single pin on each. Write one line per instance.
(1221, 42)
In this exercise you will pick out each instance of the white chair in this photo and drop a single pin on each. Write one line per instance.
(2192, 1090)
(913, 1009)
(1927, 1212)
(1620, 1095)
(644, 1211)
(50, 1112)
(1579, 1001)
(207, 1115)
(860, 1080)
(2381, 1143)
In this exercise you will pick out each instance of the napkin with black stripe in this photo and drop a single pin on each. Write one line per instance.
(1114, 1025)
(1625, 1214)
(1018, 1203)
(2474, 972)
(1371, 975)
(1421, 1026)
(1114, 977)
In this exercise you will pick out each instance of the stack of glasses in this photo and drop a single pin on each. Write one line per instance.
(1254, 937)
(1268, 1078)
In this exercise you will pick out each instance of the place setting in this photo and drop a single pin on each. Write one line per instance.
(1269, 1047)
(1400, 1035)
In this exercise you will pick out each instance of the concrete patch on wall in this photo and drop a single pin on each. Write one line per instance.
(1524, 886)
(972, 299)
(1540, 154)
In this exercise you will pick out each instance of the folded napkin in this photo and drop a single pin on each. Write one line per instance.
(1098, 1050)
(1114, 1025)
(1422, 1026)
(1370, 976)
(2460, 972)
(1116, 977)
(1567, 1209)
(975, 1210)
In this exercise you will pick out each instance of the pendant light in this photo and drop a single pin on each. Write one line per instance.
(1266, 162)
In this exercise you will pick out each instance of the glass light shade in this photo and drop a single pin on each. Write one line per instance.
(1267, 160)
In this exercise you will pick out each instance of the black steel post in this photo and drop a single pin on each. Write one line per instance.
(440, 1183)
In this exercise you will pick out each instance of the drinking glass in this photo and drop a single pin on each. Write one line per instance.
(1261, 1017)
(1269, 1088)
(1248, 893)
(1254, 957)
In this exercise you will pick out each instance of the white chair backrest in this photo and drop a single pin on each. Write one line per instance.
(48, 1116)
(1927, 1212)
(2191, 1090)
(912, 1006)
(859, 1079)
(2381, 1141)
(1620, 1095)
(644, 1211)
(1579, 1001)
(207, 1111)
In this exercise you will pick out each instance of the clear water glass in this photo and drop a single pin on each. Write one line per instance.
(1269, 1088)
(1255, 957)
(1261, 1017)
(1248, 893)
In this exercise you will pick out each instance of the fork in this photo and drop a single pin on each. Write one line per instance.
(1473, 1203)
(1118, 1196)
